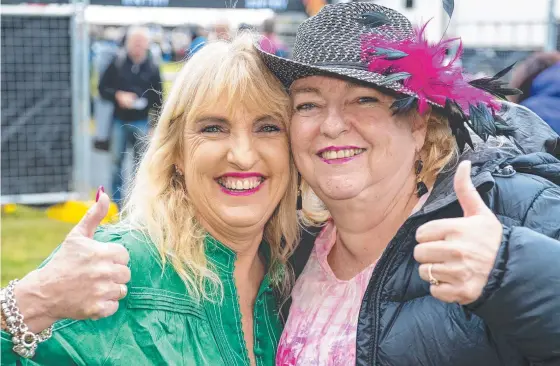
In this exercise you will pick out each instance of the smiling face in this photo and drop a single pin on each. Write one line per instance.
(237, 166)
(346, 141)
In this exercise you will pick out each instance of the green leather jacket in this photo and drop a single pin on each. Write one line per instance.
(158, 324)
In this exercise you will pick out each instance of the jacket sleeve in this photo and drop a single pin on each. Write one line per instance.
(522, 298)
(108, 82)
(81, 342)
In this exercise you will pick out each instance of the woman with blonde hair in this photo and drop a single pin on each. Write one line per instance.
(193, 272)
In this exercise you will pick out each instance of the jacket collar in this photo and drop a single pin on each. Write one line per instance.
(530, 137)
(223, 258)
(487, 159)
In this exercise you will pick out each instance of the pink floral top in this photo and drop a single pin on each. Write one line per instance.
(321, 328)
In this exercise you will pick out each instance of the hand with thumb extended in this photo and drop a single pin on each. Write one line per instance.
(456, 255)
(84, 279)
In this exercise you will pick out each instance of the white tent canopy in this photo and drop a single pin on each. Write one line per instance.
(120, 15)
(107, 15)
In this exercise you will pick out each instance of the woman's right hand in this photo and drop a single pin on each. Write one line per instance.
(84, 279)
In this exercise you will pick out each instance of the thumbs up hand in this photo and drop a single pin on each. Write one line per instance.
(84, 279)
(456, 255)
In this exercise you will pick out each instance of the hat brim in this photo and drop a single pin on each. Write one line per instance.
(288, 71)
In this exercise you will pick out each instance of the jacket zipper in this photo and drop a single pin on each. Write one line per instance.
(387, 259)
(384, 264)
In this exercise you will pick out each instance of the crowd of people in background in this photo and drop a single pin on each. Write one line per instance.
(175, 44)
(538, 76)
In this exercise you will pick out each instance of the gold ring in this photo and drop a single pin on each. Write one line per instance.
(123, 291)
(433, 280)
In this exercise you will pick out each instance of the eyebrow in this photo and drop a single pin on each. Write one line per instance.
(350, 85)
(304, 90)
(264, 117)
(214, 119)
(222, 120)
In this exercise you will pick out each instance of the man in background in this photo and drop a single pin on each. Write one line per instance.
(222, 30)
(199, 39)
(133, 83)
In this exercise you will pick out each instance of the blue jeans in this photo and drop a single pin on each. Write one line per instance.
(124, 135)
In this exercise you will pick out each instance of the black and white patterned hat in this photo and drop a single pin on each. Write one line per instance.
(371, 44)
(329, 43)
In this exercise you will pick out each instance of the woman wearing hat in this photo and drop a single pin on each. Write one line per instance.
(192, 273)
(436, 248)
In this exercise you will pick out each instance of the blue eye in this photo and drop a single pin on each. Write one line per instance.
(270, 128)
(212, 129)
(305, 107)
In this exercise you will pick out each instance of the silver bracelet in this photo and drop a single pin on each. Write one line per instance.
(25, 342)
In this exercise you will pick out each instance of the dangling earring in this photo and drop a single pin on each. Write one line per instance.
(178, 172)
(421, 188)
(299, 204)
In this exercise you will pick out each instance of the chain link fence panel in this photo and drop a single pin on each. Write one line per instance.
(37, 121)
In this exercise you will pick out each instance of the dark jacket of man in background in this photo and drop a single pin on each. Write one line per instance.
(143, 79)
(133, 82)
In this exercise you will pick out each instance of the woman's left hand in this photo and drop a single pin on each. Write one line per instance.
(460, 252)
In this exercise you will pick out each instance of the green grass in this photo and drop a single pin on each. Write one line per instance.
(28, 237)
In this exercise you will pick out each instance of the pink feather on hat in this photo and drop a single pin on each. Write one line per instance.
(431, 78)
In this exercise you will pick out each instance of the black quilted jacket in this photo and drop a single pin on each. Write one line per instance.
(517, 319)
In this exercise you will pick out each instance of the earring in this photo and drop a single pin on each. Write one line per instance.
(421, 188)
(178, 171)
(299, 203)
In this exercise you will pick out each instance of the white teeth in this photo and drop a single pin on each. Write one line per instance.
(347, 153)
(240, 184)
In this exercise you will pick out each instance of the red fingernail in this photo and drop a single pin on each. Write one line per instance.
(99, 190)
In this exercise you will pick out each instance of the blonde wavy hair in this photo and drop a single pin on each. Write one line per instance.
(158, 204)
(438, 150)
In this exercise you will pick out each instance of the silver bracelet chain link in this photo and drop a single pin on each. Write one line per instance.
(25, 342)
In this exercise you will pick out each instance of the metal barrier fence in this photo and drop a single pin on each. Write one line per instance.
(44, 118)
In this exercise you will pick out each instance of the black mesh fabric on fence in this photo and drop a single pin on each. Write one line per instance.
(36, 96)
